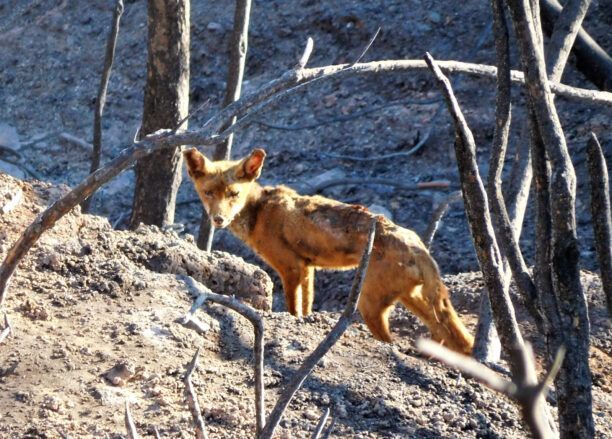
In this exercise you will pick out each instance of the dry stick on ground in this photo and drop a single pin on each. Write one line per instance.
(329, 429)
(600, 211)
(192, 399)
(238, 52)
(156, 433)
(209, 134)
(109, 56)
(129, 422)
(527, 394)
(203, 295)
(436, 217)
(438, 184)
(334, 335)
(319, 428)
(483, 236)
(574, 379)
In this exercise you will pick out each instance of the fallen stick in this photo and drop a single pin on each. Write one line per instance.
(192, 399)
(129, 423)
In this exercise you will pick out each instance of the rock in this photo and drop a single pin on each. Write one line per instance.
(123, 372)
(52, 403)
(10, 197)
(9, 136)
(214, 26)
(311, 415)
(434, 17)
(313, 183)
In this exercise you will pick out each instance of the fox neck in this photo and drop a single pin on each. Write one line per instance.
(243, 223)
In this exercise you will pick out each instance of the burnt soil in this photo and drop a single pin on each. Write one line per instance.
(77, 314)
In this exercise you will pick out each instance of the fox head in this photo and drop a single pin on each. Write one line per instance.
(223, 186)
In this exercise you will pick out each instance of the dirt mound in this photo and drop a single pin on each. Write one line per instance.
(95, 326)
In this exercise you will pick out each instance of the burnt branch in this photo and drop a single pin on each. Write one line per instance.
(129, 422)
(591, 59)
(203, 295)
(238, 51)
(436, 217)
(600, 211)
(109, 57)
(563, 36)
(192, 399)
(345, 320)
(565, 303)
(438, 184)
(210, 133)
(523, 389)
(504, 229)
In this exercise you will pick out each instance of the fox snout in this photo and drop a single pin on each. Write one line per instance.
(219, 221)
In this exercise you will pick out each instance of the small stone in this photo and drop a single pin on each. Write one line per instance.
(377, 209)
(311, 415)
(214, 26)
(434, 17)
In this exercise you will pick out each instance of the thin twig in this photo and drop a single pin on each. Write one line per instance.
(329, 429)
(600, 212)
(8, 329)
(319, 429)
(521, 389)
(192, 399)
(367, 47)
(203, 295)
(156, 433)
(306, 54)
(129, 422)
(436, 217)
(426, 185)
(334, 335)
(109, 57)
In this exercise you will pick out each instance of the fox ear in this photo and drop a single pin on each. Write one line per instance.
(196, 163)
(251, 166)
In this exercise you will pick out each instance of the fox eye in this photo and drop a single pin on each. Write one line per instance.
(209, 194)
(234, 194)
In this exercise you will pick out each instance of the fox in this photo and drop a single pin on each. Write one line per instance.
(298, 234)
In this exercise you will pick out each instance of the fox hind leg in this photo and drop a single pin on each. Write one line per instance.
(291, 278)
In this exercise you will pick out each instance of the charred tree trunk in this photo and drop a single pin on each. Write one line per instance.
(166, 102)
(565, 307)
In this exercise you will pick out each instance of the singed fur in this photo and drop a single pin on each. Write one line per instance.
(297, 234)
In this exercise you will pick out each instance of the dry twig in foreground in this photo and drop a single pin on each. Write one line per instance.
(129, 422)
(203, 295)
(192, 399)
(522, 389)
(334, 335)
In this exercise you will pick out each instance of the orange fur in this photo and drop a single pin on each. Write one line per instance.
(296, 234)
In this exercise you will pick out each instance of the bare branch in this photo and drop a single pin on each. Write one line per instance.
(129, 422)
(192, 399)
(109, 57)
(563, 36)
(600, 211)
(426, 185)
(367, 47)
(334, 335)
(321, 424)
(203, 295)
(527, 393)
(156, 433)
(436, 217)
